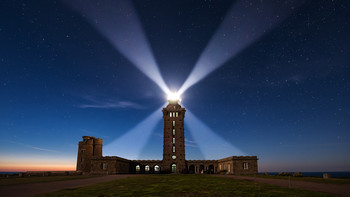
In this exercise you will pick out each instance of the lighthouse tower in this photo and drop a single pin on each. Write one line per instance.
(174, 136)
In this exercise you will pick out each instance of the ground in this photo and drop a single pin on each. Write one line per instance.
(183, 185)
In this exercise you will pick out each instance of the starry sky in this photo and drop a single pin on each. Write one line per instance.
(283, 96)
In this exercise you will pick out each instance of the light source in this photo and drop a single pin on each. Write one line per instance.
(174, 97)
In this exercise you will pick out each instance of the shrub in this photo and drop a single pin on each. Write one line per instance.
(298, 174)
(223, 172)
(284, 174)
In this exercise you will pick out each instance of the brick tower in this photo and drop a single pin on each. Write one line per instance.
(174, 138)
(88, 148)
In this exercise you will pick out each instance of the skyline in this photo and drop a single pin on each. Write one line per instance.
(278, 88)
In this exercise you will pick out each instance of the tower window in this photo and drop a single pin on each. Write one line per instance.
(174, 157)
(177, 114)
(173, 131)
(173, 140)
(171, 114)
(173, 149)
(173, 123)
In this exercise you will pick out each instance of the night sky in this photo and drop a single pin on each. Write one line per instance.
(282, 93)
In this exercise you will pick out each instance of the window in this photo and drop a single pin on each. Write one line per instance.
(147, 168)
(245, 165)
(103, 166)
(177, 114)
(171, 114)
(173, 123)
(229, 168)
(173, 131)
(173, 140)
(173, 149)
(156, 168)
(138, 168)
(173, 168)
(174, 156)
(220, 167)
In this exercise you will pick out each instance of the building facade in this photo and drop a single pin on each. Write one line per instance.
(91, 161)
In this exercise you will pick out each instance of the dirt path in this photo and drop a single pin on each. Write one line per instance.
(342, 190)
(32, 189)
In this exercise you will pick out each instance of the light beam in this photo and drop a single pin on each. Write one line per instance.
(131, 143)
(245, 23)
(119, 23)
(211, 145)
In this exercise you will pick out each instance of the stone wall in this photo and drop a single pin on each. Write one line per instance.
(239, 165)
(152, 165)
(110, 165)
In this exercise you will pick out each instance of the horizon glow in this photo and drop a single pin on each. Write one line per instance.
(35, 162)
(119, 23)
(211, 144)
(243, 25)
(131, 143)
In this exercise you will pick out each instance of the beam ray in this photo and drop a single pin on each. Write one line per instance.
(211, 145)
(245, 23)
(130, 144)
(119, 23)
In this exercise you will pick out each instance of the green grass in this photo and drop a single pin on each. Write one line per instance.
(39, 179)
(340, 181)
(182, 185)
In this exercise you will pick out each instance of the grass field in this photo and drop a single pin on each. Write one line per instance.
(182, 185)
(339, 181)
(39, 179)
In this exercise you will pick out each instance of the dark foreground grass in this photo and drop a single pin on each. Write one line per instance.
(182, 185)
(338, 181)
(39, 179)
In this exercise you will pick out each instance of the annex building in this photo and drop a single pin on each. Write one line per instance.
(91, 161)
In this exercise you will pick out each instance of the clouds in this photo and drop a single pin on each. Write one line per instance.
(108, 103)
(41, 149)
(32, 147)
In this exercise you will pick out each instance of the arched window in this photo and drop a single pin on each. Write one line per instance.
(173, 123)
(147, 168)
(173, 131)
(171, 114)
(173, 149)
(173, 168)
(173, 140)
(156, 168)
(138, 168)
(177, 114)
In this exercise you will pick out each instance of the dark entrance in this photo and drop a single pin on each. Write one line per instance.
(191, 169)
(211, 169)
(201, 169)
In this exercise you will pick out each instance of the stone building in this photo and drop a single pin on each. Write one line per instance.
(91, 161)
